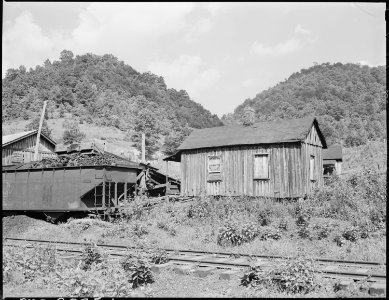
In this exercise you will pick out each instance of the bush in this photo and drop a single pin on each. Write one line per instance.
(200, 209)
(250, 277)
(294, 276)
(323, 232)
(303, 219)
(139, 229)
(303, 232)
(91, 255)
(138, 271)
(283, 225)
(159, 256)
(351, 234)
(339, 240)
(229, 235)
(264, 217)
(249, 232)
(270, 233)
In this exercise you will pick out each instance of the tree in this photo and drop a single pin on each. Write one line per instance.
(72, 133)
(34, 125)
(147, 122)
(174, 140)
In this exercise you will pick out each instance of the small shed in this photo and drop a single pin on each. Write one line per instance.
(20, 147)
(332, 160)
(280, 159)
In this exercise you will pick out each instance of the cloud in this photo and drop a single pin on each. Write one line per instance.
(113, 25)
(288, 46)
(298, 41)
(200, 27)
(366, 63)
(25, 44)
(250, 82)
(300, 30)
(118, 28)
(187, 72)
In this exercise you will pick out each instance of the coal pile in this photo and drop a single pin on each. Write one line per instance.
(75, 160)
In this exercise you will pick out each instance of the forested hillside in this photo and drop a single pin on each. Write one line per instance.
(348, 99)
(104, 91)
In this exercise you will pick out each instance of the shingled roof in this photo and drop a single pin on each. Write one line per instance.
(283, 131)
(334, 152)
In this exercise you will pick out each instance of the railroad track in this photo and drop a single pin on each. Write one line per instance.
(206, 260)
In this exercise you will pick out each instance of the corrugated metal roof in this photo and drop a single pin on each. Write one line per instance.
(333, 152)
(11, 138)
(282, 131)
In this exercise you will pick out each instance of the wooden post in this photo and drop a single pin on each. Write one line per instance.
(116, 196)
(143, 148)
(39, 131)
(167, 177)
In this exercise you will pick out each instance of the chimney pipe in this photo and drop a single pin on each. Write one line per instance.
(248, 117)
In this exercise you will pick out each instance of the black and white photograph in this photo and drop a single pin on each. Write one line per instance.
(194, 150)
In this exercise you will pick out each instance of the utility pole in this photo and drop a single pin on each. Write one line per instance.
(143, 148)
(39, 131)
(143, 179)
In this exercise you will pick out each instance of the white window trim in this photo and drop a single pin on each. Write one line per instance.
(220, 164)
(268, 162)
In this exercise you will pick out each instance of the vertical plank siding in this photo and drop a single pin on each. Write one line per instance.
(237, 171)
(288, 173)
(26, 147)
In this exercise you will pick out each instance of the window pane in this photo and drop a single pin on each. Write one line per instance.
(312, 168)
(261, 166)
(213, 164)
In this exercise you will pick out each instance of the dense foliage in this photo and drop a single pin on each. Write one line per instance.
(348, 99)
(104, 91)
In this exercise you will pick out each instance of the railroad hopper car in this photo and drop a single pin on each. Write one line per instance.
(58, 190)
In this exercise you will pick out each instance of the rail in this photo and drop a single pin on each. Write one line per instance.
(333, 268)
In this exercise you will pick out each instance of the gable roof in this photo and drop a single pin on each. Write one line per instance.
(334, 152)
(12, 138)
(282, 131)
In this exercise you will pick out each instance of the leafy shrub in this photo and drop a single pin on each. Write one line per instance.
(229, 235)
(323, 233)
(91, 255)
(293, 276)
(296, 276)
(200, 209)
(249, 232)
(351, 234)
(250, 277)
(264, 217)
(139, 229)
(303, 219)
(283, 225)
(303, 232)
(270, 233)
(339, 240)
(138, 271)
(169, 228)
(159, 257)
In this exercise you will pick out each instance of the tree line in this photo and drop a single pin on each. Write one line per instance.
(348, 100)
(107, 92)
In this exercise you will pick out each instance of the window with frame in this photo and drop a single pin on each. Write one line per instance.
(312, 168)
(214, 164)
(261, 166)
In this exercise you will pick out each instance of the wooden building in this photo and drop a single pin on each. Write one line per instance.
(281, 159)
(332, 160)
(20, 147)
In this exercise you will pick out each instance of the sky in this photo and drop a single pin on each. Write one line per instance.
(220, 53)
